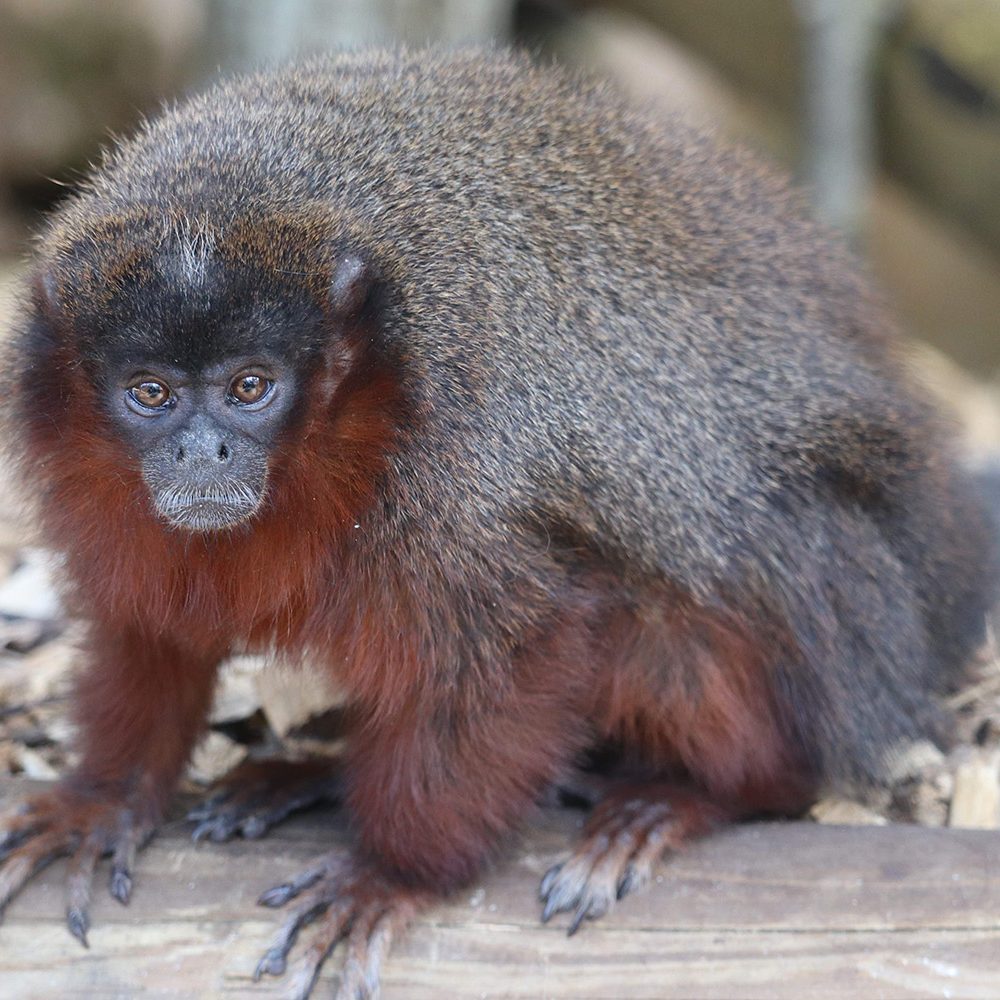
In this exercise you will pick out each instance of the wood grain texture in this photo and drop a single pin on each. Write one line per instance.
(783, 910)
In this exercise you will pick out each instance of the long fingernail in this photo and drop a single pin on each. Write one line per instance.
(627, 882)
(121, 885)
(277, 896)
(78, 923)
(547, 879)
(578, 918)
(273, 964)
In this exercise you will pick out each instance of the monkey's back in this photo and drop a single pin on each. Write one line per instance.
(614, 329)
(542, 238)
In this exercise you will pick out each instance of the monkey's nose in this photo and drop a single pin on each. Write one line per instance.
(222, 455)
(201, 443)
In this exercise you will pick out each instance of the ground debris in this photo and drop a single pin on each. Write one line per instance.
(845, 812)
(215, 757)
(975, 803)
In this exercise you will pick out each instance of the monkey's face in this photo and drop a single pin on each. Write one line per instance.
(204, 439)
(204, 379)
(201, 366)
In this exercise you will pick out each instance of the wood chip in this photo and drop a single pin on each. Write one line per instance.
(34, 765)
(42, 674)
(925, 796)
(236, 695)
(29, 591)
(975, 804)
(214, 757)
(291, 695)
(913, 761)
(55, 721)
(49, 668)
(928, 804)
(845, 812)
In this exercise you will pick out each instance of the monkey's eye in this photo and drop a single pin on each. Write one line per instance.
(151, 394)
(248, 388)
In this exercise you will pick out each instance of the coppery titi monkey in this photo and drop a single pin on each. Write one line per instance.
(543, 424)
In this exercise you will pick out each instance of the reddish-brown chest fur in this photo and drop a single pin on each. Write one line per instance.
(274, 582)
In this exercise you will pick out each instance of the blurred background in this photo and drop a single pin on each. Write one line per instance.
(887, 110)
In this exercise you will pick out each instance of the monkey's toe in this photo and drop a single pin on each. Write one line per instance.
(346, 901)
(625, 838)
(259, 794)
(58, 823)
(602, 868)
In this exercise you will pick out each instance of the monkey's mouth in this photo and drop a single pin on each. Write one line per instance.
(209, 511)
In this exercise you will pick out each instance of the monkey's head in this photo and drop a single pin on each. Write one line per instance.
(204, 435)
(199, 359)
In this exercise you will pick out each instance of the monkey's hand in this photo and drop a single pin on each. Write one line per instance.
(350, 900)
(259, 794)
(64, 821)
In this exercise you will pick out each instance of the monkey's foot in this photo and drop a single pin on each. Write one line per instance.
(63, 822)
(259, 794)
(624, 839)
(348, 901)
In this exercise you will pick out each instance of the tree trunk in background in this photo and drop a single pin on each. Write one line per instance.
(838, 68)
(249, 33)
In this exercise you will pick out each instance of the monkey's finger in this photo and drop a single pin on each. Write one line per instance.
(224, 826)
(363, 966)
(548, 879)
(204, 810)
(629, 882)
(595, 899)
(564, 889)
(257, 821)
(222, 815)
(582, 911)
(594, 903)
(275, 959)
(16, 829)
(12, 842)
(79, 882)
(127, 844)
(360, 977)
(329, 933)
(217, 828)
(234, 798)
(17, 808)
(12, 817)
(209, 805)
(280, 894)
(587, 854)
(553, 905)
(604, 883)
(13, 875)
(28, 859)
(615, 859)
(639, 870)
(252, 809)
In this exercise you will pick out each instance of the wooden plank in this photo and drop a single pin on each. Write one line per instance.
(782, 910)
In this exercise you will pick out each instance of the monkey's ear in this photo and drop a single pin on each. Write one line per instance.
(45, 293)
(351, 285)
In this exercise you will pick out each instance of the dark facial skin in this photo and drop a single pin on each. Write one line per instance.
(201, 369)
(201, 363)
(204, 437)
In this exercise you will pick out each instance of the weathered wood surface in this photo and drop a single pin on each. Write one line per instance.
(794, 910)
